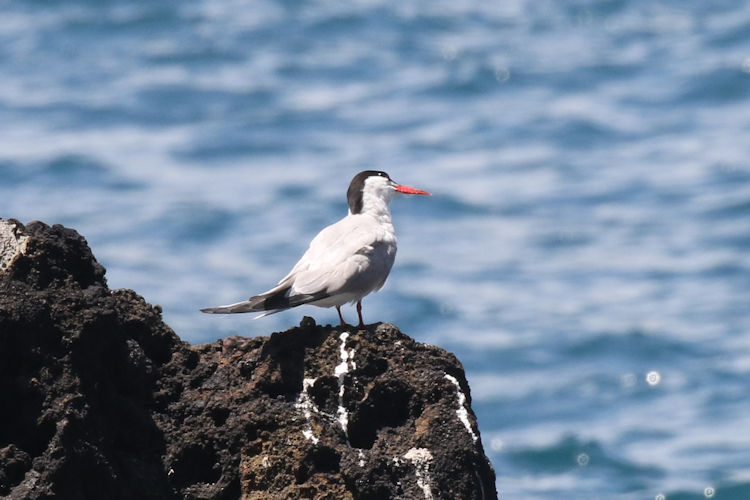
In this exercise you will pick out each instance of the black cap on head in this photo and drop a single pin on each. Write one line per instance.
(354, 193)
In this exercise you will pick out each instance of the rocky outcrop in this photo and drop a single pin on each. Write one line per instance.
(100, 399)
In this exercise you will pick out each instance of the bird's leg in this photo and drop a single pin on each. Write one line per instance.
(338, 309)
(359, 313)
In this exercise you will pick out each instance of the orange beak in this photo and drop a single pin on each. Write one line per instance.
(409, 190)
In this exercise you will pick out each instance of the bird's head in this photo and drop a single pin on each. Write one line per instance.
(377, 185)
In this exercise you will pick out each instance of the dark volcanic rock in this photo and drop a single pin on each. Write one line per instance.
(101, 399)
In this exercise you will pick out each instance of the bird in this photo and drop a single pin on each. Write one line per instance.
(345, 261)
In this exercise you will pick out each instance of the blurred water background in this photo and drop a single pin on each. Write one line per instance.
(586, 250)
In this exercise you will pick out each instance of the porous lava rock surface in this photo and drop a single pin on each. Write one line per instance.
(101, 399)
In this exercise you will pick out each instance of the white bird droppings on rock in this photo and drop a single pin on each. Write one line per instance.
(305, 404)
(421, 458)
(463, 415)
(11, 244)
(347, 364)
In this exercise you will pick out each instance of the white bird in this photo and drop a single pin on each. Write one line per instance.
(345, 261)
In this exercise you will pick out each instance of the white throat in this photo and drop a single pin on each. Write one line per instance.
(376, 195)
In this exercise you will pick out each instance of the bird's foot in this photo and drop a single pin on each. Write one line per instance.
(345, 326)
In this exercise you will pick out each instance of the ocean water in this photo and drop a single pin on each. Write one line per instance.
(586, 252)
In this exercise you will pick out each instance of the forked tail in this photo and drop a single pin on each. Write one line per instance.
(269, 302)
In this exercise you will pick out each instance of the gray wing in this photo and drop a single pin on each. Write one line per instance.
(353, 255)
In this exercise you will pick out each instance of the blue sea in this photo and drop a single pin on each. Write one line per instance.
(586, 250)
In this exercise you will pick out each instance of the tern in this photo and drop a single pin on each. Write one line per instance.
(345, 262)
